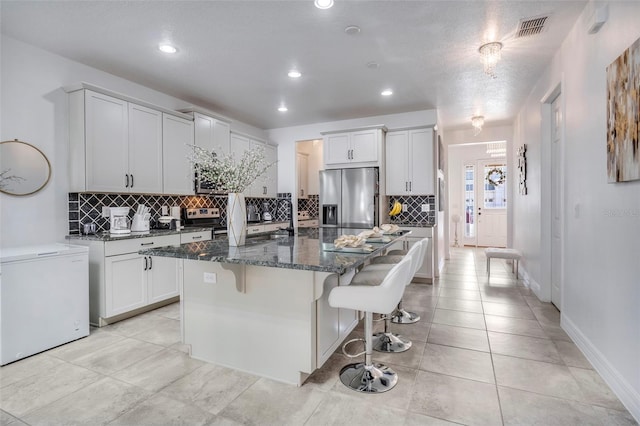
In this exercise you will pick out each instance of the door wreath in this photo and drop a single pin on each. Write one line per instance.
(496, 177)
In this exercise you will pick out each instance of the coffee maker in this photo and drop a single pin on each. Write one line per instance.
(119, 220)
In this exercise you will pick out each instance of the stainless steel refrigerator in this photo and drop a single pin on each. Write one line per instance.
(349, 198)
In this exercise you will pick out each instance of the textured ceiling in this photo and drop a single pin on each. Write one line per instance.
(234, 55)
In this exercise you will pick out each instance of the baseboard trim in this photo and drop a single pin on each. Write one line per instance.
(629, 397)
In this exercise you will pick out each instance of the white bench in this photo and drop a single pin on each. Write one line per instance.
(503, 253)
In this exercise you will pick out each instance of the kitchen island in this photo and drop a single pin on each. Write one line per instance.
(263, 307)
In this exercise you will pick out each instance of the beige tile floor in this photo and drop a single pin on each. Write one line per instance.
(485, 353)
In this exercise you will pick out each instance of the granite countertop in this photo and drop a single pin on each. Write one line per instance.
(416, 224)
(302, 251)
(106, 236)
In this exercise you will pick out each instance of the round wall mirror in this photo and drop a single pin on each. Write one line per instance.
(24, 169)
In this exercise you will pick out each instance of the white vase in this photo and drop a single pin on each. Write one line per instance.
(236, 219)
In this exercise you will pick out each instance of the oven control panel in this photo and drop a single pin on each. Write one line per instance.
(203, 213)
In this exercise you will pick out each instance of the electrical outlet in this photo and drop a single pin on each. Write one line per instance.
(425, 208)
(210, 277)
(405, 208)
(105, 211)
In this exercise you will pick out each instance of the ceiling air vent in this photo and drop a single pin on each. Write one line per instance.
(531, 26)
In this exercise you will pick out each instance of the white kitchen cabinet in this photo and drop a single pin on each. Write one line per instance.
(409, 162)
(145, 150)
(191, 237)
(162, 279)
(122, 281)
(357, 148)
(211, 134)
(103, 122)
(302, 172)
(265, 186)
(310, 223)
(126, 287)
(177, 135)
(116, 142)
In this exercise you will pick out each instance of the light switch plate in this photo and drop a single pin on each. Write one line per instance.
(425, 208)
(105, 211)
(405, 208)
(210, 277)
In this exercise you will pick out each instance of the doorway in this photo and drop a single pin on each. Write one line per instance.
(556, 201)
(485, 203)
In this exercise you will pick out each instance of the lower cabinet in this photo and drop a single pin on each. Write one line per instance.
(121, 280)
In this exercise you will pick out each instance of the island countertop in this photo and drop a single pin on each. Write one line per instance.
(303, 251)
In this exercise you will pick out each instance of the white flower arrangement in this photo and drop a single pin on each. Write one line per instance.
(5, 178)
(226, 173)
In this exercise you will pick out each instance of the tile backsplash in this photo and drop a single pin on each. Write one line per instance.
(86, 207)
(310, 204)
(414, 213)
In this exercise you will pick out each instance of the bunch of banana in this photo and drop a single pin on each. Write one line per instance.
(396, 209)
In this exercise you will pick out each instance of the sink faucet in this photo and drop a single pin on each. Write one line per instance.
(290, 229)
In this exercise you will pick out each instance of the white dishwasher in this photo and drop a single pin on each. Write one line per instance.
(44, 298)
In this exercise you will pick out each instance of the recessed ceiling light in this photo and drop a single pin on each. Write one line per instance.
(352, 30)
(323, 4)
(167, 48)
(283, 109)
(387, 92)
(373, 65)
(294, 74)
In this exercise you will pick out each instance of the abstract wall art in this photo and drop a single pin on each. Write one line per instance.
(623, 116)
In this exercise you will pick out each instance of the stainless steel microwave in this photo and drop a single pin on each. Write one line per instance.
(204, 187)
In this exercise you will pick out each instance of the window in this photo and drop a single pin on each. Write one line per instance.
(469, 201)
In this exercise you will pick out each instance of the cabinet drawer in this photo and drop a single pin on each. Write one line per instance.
(133, 245)
(254, 229)
(307, 223)
(190, 237)
(273, 227)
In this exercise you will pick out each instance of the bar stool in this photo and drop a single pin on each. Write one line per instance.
(380, 263)
(387, 341)
(366, 376)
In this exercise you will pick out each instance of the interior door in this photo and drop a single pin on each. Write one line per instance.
(556, 203)
(491, 197)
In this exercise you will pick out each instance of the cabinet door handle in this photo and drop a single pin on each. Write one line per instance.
(406, 186)
(150, 263)
(147, 244)
(126, 175)
(146, 265)
(410, 185)
(132, 181)
(196, 238)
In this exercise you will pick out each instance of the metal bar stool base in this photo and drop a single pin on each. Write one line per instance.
(389, 342)
(374, 378)
(400, 316)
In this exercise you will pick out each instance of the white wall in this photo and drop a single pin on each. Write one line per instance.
(601, 291)
(34, 109)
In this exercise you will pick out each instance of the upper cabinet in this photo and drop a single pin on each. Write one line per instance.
(410, 168)
(353, 148)
(211, 133)
(177, 135)
(117, 145)
(265, 186)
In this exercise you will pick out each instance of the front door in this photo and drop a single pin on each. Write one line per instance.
(491, 209)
